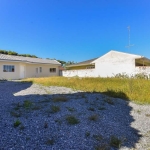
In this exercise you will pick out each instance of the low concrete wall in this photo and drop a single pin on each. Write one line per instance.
(79, 73)
(94, 73)
(142, 69)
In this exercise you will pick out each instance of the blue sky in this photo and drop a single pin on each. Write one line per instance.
(74, 30)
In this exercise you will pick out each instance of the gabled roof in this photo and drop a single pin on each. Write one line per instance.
(117, 54)
(113, 53)
(4, 57)
(83, 63)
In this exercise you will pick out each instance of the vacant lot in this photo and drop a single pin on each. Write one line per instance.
(51, 117)
(136, 90)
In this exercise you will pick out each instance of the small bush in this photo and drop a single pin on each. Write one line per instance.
(17, 123)
(72, 120)
(115, 142)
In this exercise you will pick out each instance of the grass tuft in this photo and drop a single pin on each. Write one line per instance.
(27, 104)
(72, 120)
(93, 117)
(17, 123)
(115, 142)
(55, 109)
(50, 141)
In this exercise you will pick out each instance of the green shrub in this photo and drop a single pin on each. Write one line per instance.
(17, 123)
(72, 120)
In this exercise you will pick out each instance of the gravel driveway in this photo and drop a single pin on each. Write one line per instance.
(34, 117)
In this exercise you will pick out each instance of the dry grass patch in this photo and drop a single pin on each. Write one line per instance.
(114, 87)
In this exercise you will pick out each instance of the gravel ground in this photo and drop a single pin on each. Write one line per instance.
(34, 117)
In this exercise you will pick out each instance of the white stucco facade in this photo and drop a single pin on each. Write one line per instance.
(16, 67)
(79, 73)
(109, 65)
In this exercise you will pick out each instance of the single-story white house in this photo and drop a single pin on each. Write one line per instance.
(19, 67)
(109, 65)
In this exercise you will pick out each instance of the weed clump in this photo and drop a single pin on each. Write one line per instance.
(115, 142)
(72, 120)
(50, 141)
(93, 117)
(17, 123)
(55, 109)
(27, 104)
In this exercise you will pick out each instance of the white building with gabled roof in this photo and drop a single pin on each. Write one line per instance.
(109, 65)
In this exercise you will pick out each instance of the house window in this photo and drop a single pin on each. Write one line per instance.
(52, 69)
(8, 68)
(40, 69)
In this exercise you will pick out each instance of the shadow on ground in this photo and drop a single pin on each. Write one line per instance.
(102, 121)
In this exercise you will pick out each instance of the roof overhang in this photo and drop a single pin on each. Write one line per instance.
(143, 61)
(27, 62)
(76, 65)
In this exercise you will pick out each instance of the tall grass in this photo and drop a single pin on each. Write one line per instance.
(132, 89)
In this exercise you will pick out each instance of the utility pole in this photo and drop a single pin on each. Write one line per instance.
(129, 45)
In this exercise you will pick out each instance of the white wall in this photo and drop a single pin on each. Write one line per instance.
(143, 69)
(79, 73)
(111, 67)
